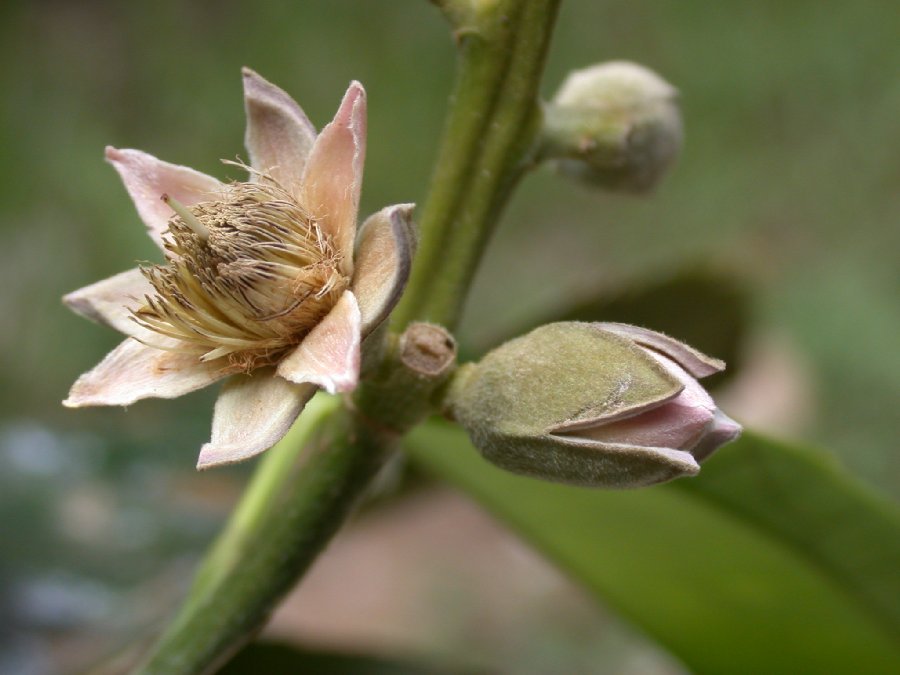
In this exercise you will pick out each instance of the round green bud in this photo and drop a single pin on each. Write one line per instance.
(615, 125)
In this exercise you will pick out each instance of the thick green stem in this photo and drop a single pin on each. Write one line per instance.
(292, 508)
(491, 130)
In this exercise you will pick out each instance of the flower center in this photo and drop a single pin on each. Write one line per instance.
(247, 277)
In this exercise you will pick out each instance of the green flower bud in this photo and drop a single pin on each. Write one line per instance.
(596, 404)
(615, 125)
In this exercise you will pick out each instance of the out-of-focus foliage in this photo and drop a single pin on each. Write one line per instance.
(678, 305)
(277, 658)
(787, 178)
(787, 186)
(770, 562)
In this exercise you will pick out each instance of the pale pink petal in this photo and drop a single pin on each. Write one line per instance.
(329, 355)
(133, 371)
(693, 361)
(678, 425)
(147, 179)
(333, 176)
(253, 412)
(693, 392)
(384, 250)
(723, 430)
(111, 301)
(279, 136)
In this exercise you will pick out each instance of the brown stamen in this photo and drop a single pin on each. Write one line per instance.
(247, 276)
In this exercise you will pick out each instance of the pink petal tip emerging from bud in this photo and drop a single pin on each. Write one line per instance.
(723, 430)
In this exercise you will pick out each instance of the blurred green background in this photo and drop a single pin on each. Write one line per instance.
(787, 191)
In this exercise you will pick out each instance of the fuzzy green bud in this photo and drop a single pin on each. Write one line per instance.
(596, 404)
(615, 125)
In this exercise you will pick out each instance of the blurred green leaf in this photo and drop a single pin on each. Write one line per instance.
(808, 503)
(773, 561)
(681, 305)
(262, 657)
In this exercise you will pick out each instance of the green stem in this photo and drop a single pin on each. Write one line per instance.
(294, 505)
(491, 130)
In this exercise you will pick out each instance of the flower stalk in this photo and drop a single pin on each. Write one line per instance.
(300, 495)
(489, 138)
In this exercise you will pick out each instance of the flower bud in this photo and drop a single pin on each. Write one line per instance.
(615, 125)
(596, 404)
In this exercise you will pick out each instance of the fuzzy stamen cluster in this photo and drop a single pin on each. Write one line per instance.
(248, 275)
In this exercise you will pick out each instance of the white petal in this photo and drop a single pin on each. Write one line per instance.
(133, 371)
(693, 361)
(333, 177)
(329, 355)
(111, 301)
(279, 136)
(384, 250)
(147, 179)
(253, 412)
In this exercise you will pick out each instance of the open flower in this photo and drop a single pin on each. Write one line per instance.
(266, 282)
(598, 404)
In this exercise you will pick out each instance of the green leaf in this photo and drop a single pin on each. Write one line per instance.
(679, 304)
(805, 500)
(268, 657)
(772, 561)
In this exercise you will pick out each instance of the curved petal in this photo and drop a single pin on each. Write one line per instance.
(147, 179)
(333, 176)
(723, 430)
(693, 393)
(678, 424)
(253, 412)
(329, 355)
(279, 136)
(111, 301)
(133, 371)
(695, 362)
(384, 250)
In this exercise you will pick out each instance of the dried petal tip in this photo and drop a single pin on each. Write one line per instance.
(279, 135)
(332, 179)
(603, 405)
(384, 250)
